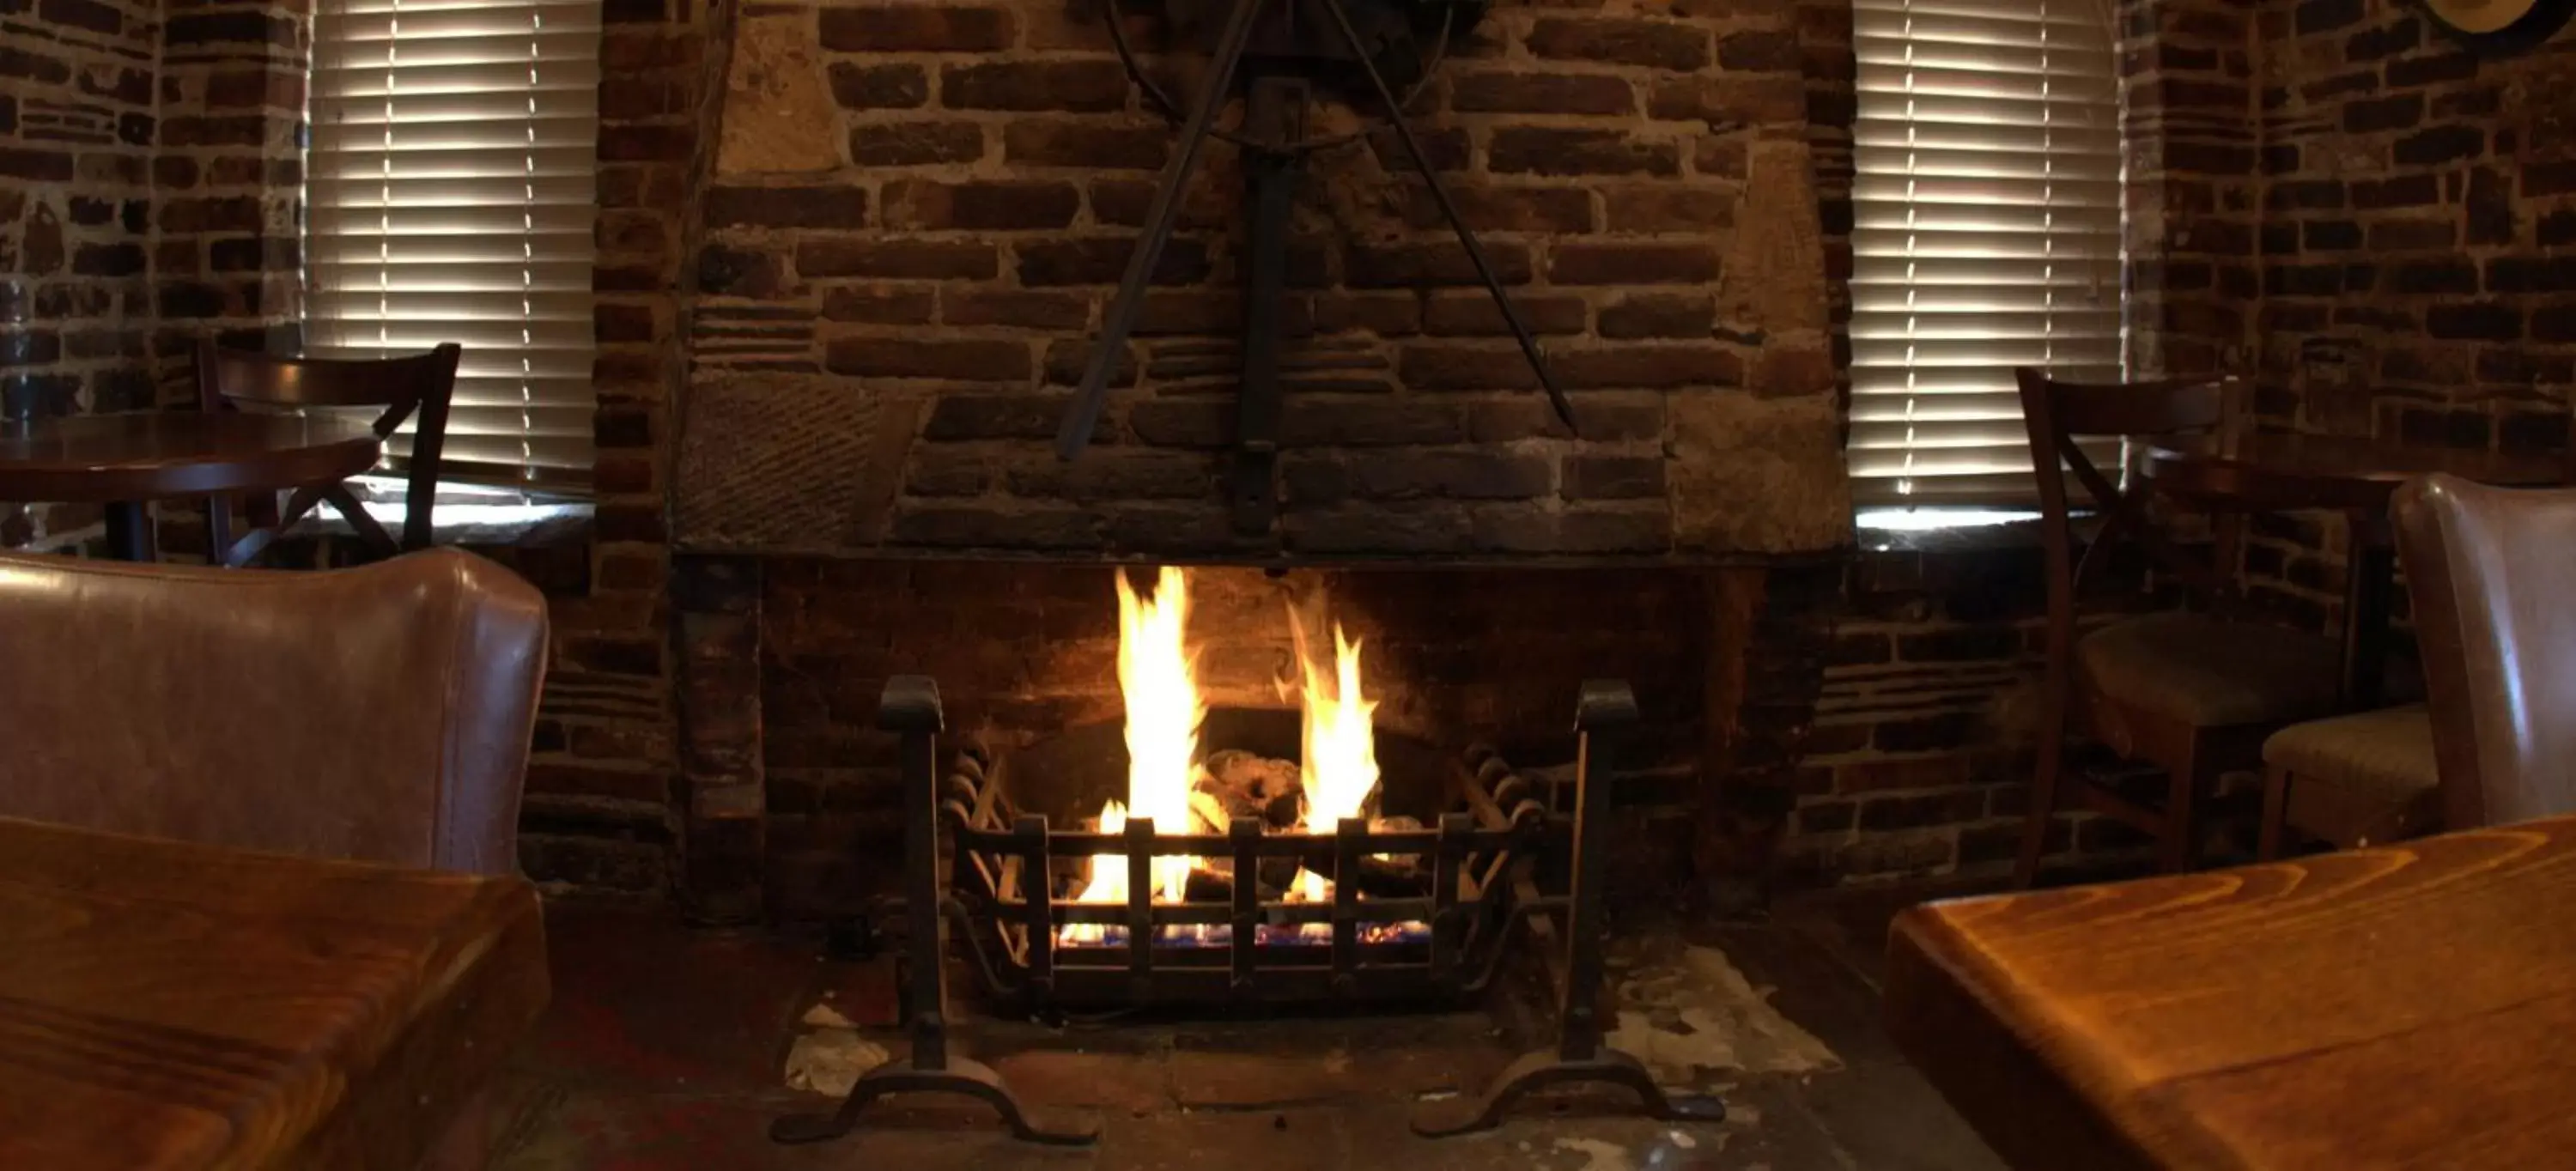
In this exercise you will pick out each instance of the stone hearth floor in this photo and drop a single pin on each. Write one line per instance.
(669, 1049)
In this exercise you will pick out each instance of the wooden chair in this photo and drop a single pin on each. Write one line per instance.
(2492, 574)
(2189, 692)
(421, 385)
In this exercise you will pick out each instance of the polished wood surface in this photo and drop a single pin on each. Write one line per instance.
(166, 1005)
(2401, 1006)
(2324, 471)
(106, 458)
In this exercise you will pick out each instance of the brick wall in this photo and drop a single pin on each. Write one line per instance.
(605, 804)
(77, 124)
(2418, 282)
(2194, 198)
(919, 212)
(1919, 757)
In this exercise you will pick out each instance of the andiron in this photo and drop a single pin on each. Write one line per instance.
(910, 708)
(1606, 710)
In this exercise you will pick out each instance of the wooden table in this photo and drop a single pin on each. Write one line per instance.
(2403, 1006)
(165, 1005)
(2278, 473)
(122, 461)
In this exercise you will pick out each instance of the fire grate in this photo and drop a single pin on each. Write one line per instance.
(1414, 914)
(1488, 861)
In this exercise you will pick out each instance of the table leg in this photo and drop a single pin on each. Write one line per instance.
(129, 531)
(2369, 579)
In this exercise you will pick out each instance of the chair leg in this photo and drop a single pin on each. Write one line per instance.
(2276, 811)
(2043, 791)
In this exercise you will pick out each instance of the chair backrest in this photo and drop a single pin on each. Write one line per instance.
(2491, 570)
(379, 713)
(2059, 416)
(420, 387)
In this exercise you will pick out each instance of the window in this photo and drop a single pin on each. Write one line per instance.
(450, 194)
(1987, 236)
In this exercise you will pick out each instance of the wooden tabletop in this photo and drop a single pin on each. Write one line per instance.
(2325, 471)
(106, 458)
(2404, 1006)
(165, 1005)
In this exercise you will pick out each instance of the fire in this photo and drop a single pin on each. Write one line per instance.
(1339, 766)
(1104, 882)
(1156, 676)
(1157, 679)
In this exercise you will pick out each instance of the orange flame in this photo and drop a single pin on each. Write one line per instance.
(1104, 881)
(1338, 769)
(1156, 675)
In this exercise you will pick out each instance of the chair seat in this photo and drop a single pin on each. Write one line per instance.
(2210, 673)
(2360, 777)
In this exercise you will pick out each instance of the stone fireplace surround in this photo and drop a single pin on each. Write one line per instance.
(915, 214)
(914, 219)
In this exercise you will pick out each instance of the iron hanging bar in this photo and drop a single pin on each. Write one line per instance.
(1449, 210)
(1160, 218)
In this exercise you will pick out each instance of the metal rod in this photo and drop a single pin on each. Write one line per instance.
(1447, 923)
(1449, 210)
(929, 945)
(1348, 835)
(1083, 843)
(1037, 890)
(1160, 217)
(1605, 711)
(1140, 900)
(1274, 111)
(1246, 832)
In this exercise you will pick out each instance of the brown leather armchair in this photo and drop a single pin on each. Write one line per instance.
(380, 713)
(2493, 570)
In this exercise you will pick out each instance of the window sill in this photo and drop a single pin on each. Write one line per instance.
(518, 526)
(1945, 530)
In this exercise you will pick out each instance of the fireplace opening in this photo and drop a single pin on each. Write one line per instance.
(1194, 856)
(1185, 856)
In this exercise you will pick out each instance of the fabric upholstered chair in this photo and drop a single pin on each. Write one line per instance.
(379, 714)
(2496, 740)
(2492, 570)
(2351, 780)
(2193, 694)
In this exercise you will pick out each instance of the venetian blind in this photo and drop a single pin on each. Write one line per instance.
(451, 190)
(1986, 236)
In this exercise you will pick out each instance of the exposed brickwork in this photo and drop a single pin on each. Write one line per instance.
(227, 247)
(936, 221)
(607, 806)
(2417, 280)
(2194, 204)
(1918, 759)
(77, 126)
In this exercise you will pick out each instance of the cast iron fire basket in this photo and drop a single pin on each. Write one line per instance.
(1426, 917)
(1487, 864)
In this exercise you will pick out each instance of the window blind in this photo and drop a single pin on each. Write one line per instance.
(451, 191)
(1986, 236)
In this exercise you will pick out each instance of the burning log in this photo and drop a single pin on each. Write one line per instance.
(1241, 784)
